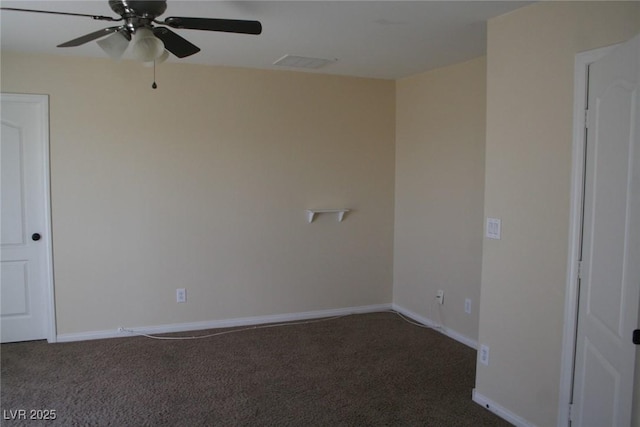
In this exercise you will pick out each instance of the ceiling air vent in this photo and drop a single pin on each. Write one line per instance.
(295, 61)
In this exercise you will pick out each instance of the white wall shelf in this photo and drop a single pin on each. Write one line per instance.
(311, 213)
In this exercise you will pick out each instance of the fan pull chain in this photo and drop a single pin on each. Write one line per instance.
(154, 85)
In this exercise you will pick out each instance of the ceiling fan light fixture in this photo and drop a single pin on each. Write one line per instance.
(145, 46)
(162, 58)
(115, 45)
(148, 42)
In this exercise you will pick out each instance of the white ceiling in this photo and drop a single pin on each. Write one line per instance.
(381, 39)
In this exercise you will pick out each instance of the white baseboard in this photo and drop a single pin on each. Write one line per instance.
(442, 329)
(500, 411)
(224, 323)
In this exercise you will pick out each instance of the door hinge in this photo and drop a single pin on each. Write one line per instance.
(570, 412)
(586, 119)
(580, 270)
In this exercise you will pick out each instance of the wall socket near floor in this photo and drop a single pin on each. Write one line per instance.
(181, 295)
(440, 297)
(467, 306)
(484, 354)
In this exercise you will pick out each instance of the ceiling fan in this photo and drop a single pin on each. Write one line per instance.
(149, 42)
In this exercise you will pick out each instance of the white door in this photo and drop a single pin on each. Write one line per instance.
(26, 310)
(610, 265)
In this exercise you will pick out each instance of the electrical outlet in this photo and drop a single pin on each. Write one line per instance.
(467, 306)
(440, 297)
(484, 354)
(181, 295)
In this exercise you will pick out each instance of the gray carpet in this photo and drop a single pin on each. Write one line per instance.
(360, 370)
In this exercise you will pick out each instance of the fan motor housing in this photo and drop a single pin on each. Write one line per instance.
(138, 8)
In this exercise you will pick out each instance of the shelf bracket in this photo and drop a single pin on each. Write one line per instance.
(311, 213)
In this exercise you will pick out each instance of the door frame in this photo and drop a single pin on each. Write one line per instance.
(42, 102)
(581, 81)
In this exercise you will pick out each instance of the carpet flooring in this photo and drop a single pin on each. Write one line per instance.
(361, 370)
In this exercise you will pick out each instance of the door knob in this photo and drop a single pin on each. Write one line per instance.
(636, 337)
(35, 237)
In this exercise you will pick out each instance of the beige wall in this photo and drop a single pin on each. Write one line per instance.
(530, 70)
(203, 184)
(440, 133)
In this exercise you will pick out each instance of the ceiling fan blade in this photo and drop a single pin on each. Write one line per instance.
(174, 43)
(90, 37)
(211, 24)
(98, 17)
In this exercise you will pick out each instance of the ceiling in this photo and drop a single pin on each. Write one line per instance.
(379, 39)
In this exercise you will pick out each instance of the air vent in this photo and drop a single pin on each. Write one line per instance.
(302, 62)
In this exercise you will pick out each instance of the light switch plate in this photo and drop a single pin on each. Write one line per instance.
(494, 226)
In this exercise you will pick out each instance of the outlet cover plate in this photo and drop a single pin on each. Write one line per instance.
(484, 354)
(181, 295)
